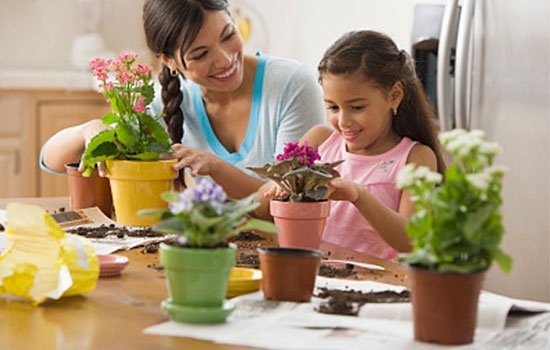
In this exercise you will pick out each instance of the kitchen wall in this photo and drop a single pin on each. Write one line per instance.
(40, 33)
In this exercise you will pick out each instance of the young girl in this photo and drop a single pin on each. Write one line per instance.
(381, 120)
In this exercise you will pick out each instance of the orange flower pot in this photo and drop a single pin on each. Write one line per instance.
(445, 305)
(288, 274)
(86, 192)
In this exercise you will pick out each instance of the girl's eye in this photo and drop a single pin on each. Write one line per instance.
(332, 108)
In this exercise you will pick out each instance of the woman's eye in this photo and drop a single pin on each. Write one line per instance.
(357, 108)
(199, 57)
(230, 35)
(332, 108)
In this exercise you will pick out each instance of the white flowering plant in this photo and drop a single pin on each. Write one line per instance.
(203, 217)
(457, 226)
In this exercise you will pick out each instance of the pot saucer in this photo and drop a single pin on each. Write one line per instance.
(197, 314)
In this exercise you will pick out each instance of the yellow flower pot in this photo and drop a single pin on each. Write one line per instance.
(137, 185)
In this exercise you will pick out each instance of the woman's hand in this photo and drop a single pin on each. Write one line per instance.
(343, 190)
(200, 162)
(88, 130)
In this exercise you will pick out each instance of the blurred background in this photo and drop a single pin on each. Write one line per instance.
(43, 33)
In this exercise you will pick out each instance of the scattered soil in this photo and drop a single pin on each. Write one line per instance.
(248, 260)
(348, 302)
(113, 230)
(246, 236)
(326, 270)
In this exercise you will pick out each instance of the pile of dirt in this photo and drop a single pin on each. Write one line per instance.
(104, 231)
(248, 260)
(326, 270)
(348, 302)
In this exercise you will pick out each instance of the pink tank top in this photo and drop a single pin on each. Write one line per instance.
(346, 226)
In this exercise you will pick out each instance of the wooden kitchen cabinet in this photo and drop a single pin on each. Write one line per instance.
(27, 119)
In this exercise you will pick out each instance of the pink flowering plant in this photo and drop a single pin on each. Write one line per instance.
(298, 173)
(203, 217)
(134, 134)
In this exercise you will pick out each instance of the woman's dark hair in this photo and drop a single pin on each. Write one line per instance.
(378, 59)
(172, 25)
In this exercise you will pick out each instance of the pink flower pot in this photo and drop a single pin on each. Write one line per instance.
(301, 223)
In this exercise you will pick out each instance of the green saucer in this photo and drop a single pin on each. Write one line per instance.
(197, 314)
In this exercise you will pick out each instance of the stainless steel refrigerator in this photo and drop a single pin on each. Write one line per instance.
(495, 60)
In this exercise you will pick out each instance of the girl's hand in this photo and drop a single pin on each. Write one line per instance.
(200, 162)
(273, 190)
(343, 190)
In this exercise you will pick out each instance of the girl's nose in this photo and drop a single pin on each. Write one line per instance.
(344, 120)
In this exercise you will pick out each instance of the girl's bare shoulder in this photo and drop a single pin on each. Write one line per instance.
(422, 155)
(317, 135)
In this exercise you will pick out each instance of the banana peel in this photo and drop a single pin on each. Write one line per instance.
(41, 261)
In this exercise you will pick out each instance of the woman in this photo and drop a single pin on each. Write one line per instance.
(224, 110)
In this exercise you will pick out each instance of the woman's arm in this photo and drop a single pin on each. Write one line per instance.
(389, 224)
(67, 145)
(236, 183)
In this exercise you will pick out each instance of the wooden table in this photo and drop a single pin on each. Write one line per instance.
(112, 316)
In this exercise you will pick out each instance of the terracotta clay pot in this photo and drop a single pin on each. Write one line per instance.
(288, 274)
(86, 192)
(301, 223)
(444, 305)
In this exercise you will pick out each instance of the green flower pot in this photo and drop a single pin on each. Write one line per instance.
(197, 282)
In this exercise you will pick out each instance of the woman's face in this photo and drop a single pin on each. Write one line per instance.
(215, 59)
(361, 112)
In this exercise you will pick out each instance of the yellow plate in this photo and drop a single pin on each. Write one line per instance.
(243, 280)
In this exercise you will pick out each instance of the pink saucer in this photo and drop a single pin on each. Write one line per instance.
(111, 264)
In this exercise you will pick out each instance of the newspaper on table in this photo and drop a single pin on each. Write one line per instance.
(90, 217)
(286, 325)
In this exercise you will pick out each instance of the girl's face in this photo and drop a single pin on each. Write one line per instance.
(361, 112)
(215, 59)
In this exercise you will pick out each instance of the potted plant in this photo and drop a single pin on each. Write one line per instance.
(199, 259)
(132, 145)
(301, 213)
(456, 232)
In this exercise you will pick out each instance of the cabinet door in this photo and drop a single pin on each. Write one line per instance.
(17, 170)
(57, 115)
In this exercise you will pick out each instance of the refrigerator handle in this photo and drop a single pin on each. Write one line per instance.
(444, 98)
(462, 57)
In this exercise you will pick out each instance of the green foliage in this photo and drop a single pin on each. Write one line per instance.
(203, 216)
(457, 226)
(134, 134)
(301, 183)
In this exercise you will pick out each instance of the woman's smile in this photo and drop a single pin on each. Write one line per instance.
(227, 74)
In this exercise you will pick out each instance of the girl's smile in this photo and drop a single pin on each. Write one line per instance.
(361, 112)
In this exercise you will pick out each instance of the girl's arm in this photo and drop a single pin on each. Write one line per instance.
(389, 224)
